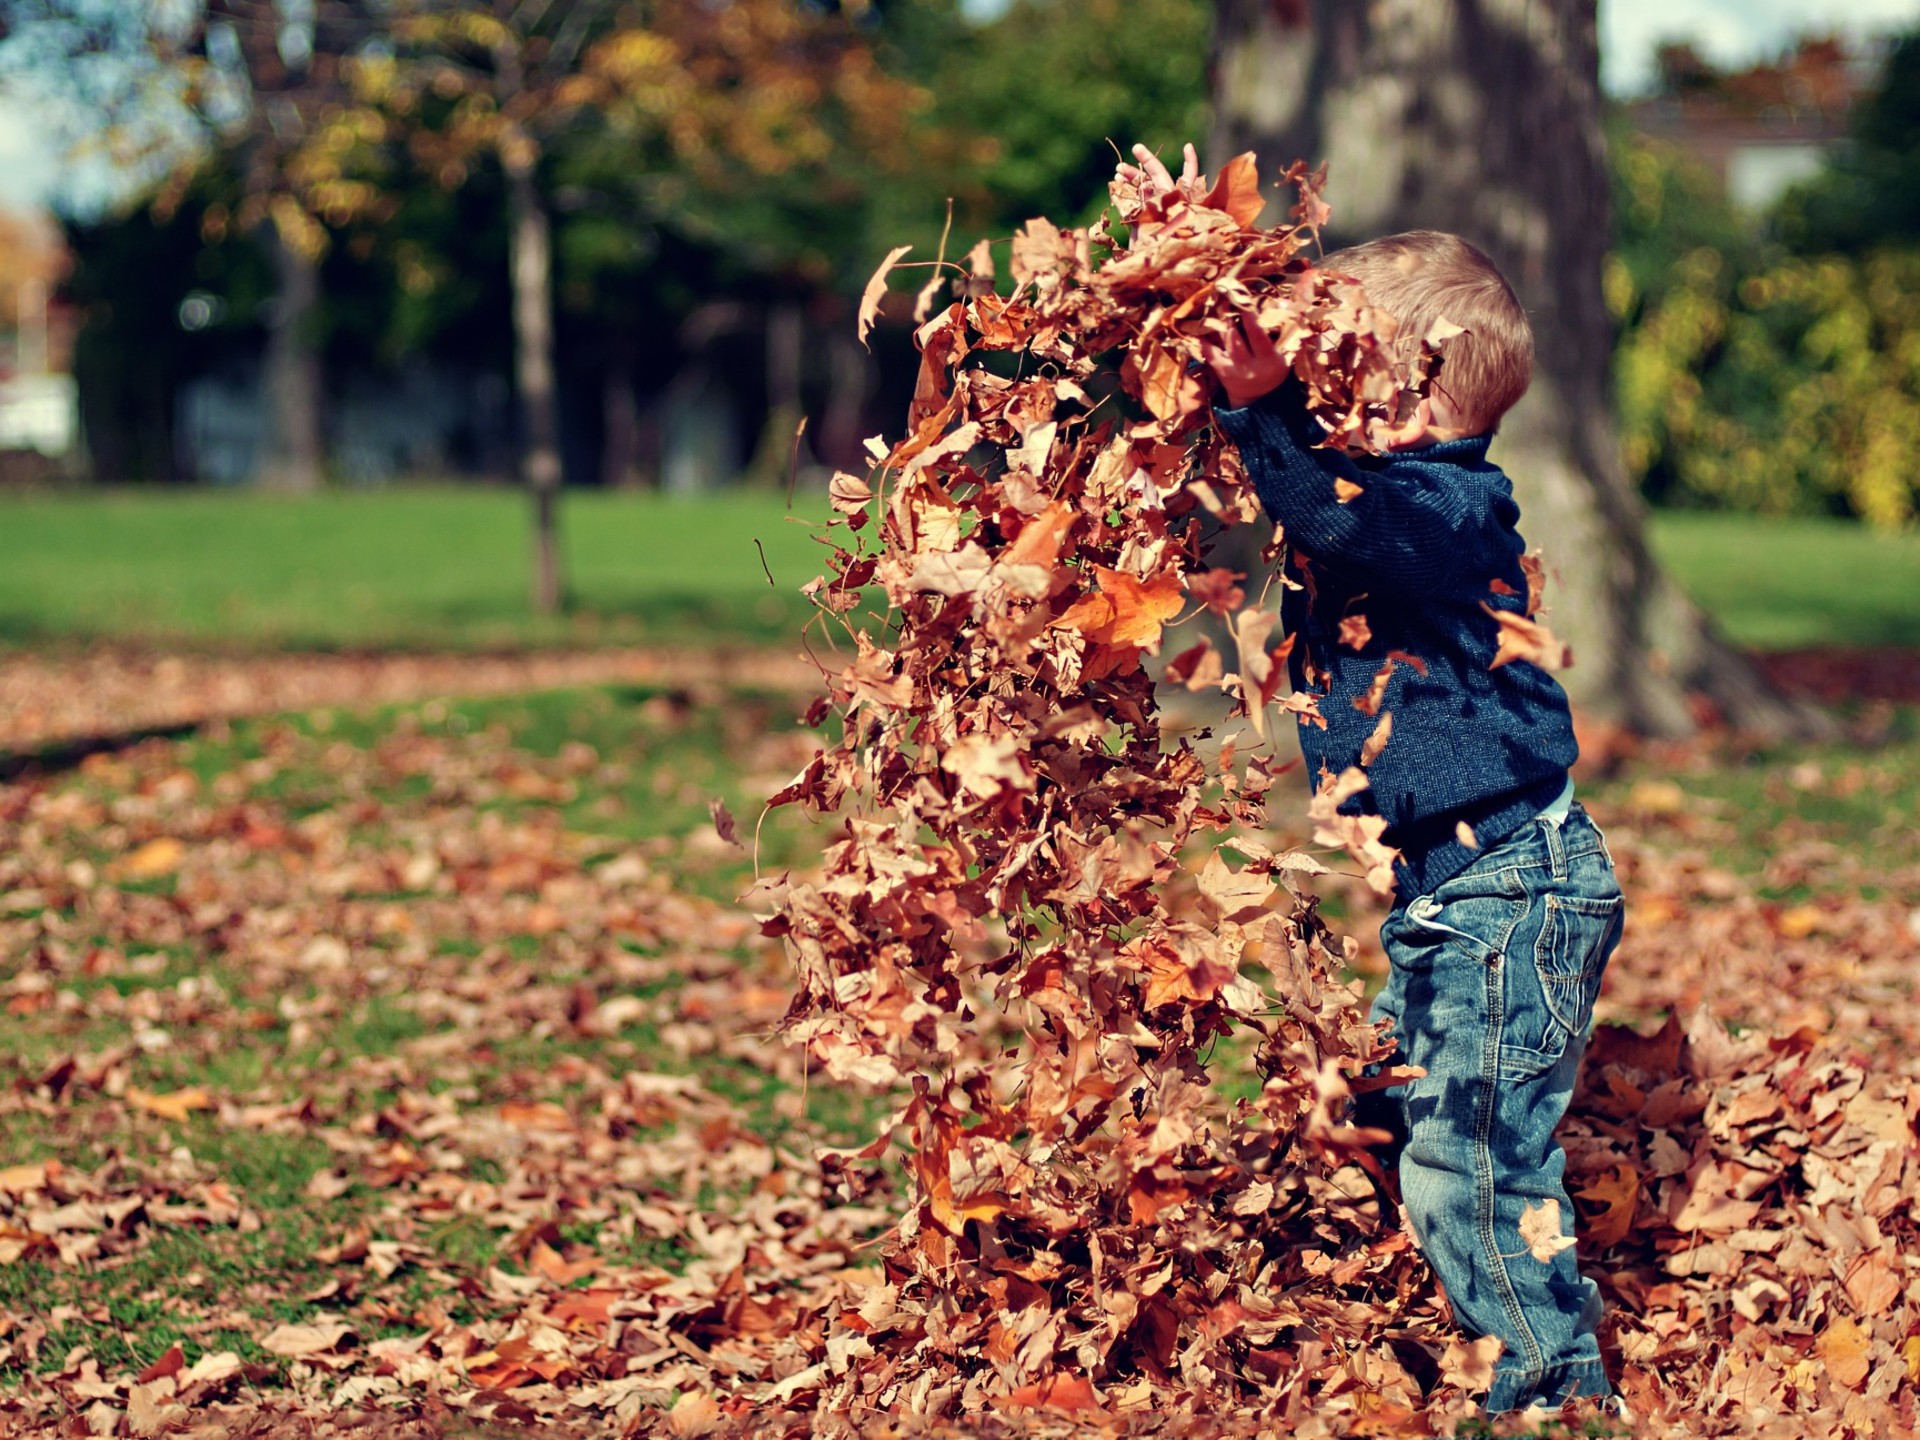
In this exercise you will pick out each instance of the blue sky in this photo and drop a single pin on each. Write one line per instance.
(1730, 32)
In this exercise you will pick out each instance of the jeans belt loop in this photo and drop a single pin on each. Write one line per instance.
(1556, 848)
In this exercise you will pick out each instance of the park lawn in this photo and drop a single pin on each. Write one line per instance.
(412, 568)
(356, 995)
(1787, 584)
(422, 568)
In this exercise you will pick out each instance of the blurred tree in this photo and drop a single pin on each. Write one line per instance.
(137, 279)
(1485, 120)
(256, 78)
(686, 85)
(1869, 197)
(1754, 379)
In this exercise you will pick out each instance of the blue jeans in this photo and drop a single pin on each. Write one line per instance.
(1491, 990)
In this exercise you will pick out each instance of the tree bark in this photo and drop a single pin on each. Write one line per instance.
(532, 264)
(292, 375)
(620, 440)
(786, 342)
(1483, 117)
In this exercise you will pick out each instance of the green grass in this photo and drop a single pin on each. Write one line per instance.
(404, 568)
(1783, 584)
(425, 567)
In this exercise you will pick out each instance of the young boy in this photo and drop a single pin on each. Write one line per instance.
(1506, 907)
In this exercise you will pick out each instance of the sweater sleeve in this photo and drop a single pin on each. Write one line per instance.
(1407, 526)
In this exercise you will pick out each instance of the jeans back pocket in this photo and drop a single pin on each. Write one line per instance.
(1552, 1006)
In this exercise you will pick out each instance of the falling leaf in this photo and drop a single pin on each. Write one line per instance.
(723, 822)
(1535, 569)
(1126, 611)
(923, 301)
(1236, 190)
(849, 494)
(1218, 590)
(1540, 1230)
(980, 259)
(1376, 696)
(876, 290)
(1040, 539)
(1524, 639)
(1371, 747)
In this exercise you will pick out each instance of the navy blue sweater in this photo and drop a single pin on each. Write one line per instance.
(1416, 553)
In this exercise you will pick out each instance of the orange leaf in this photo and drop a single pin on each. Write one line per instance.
(549, 1263)
(1126, 612)
(1237, 190)
(1616, 1191)
(152, 860)
(1140, 610)
(176, 1106)
(1524, 639)
(19, 1179)
(536, 1116)
(1061, 1392)
(1038, 542)
(1843, 1345)
(584, 1309)
(171, 1363)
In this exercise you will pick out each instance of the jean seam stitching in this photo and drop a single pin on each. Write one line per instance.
(1483, 1161)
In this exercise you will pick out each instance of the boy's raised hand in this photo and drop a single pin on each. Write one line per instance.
(1153, 180)
(1247, 363)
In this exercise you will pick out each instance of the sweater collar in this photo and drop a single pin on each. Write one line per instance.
(1464, 451)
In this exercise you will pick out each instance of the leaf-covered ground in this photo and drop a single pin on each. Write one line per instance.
(418, 1063)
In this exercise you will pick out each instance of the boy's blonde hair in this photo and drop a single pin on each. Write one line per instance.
(1423, 276)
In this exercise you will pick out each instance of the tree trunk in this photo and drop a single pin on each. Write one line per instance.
(1483, 117)
(786, 337)
(532, 262)
(850, 376)
(620, 439)
(292, 376)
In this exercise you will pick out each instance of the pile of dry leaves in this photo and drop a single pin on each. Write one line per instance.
(1087, 1207)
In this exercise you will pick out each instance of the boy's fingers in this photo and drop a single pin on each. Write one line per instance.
(1150, 162)
(1191, 170)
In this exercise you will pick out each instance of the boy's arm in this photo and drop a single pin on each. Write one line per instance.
(1404, 523)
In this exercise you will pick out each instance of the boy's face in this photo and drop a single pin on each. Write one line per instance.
(1441, 422)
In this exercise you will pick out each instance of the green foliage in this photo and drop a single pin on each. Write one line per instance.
(1751, 378)
(1046, 91)
(1870, 196)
